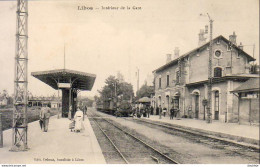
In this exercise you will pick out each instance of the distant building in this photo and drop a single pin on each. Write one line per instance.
(55, 104)
(182, 82)
(40, 101)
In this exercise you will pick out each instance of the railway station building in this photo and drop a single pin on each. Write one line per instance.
(70, 82)
(183, 80)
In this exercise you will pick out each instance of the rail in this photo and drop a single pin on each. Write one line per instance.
(111, 142)
(141, 141)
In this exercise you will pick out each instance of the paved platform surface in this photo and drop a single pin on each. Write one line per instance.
(241, 133)
(58, 143)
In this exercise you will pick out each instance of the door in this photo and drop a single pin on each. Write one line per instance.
(176, 102)
(168, 103)
(197, 106)
(216, 106)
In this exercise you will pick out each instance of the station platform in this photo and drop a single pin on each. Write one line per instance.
(242, 134)
(57, 146)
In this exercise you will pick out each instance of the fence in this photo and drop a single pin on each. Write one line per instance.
(1, 132)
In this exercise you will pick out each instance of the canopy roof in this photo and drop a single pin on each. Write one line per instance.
(79, 80)
(144, 100)
(250, 85)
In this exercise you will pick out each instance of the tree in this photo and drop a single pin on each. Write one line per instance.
(145, 91)
(5, 93)
(114, 89)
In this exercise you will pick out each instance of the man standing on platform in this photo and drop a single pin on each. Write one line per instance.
(147, 111)
(157, 110)
(151, 110)
(172, 112)
(44, 118)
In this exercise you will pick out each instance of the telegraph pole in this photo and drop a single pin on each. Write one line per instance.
(137, 79)
(209, 119)
(19, 135)
(64, 57)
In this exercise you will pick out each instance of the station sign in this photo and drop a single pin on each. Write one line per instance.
(64, 85)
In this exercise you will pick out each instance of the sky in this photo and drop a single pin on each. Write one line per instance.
(104, 42)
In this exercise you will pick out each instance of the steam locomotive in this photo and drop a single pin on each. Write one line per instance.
(120, 109)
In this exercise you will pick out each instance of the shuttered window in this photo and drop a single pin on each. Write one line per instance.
(217, 72)
(168, 80)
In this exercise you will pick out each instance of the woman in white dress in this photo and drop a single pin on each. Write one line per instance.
(78, 118)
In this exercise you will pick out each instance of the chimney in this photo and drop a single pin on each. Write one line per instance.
(202, 39)
(176, 53)
(168, 58)
(233, 38)
(240, 46)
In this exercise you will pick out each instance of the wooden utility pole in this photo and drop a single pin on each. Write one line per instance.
(209, 110)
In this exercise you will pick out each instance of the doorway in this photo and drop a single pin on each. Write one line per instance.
(196, 105)
(216, 105)
(168, 103)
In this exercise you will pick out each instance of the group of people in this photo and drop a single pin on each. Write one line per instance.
(145, 111)
(76, 124)
(174, 112)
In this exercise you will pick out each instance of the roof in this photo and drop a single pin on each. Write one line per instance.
(240, 77)
(248, 86)
(144, 100)
(174, 61)
(80, 80)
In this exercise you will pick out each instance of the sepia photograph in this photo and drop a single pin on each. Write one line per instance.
(106, 82)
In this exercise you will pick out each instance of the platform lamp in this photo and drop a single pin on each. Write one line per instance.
(204, 103)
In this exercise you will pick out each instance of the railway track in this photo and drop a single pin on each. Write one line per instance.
(131, 149)
(212, 141)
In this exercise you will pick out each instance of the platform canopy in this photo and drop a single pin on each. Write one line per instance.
(144, 100)
(78, 80)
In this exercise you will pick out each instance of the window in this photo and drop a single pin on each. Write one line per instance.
(218, 53)
(216, 100)
(160, 82)
(168, 80)
(217, 72)
(216, 105)
(177, 77)
(176, 103)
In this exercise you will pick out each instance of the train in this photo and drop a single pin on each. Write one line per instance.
(119, 109)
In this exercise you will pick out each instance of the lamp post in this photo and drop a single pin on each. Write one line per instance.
(209, 113)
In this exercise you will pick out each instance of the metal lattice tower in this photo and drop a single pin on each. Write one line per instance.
(19, 137)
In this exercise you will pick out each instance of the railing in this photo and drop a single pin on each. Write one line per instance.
(1, 131)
